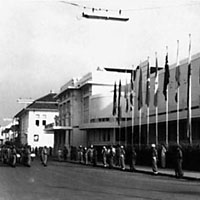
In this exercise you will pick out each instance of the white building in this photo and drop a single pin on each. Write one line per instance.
(85, 109)
(33, 119)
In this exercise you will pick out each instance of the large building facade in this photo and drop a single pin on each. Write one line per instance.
(86, 105)
(85, 110)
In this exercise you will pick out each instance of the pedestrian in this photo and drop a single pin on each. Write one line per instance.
(117, 156)
(104, 156)
(154, 159)
(111, 154)
(178, 162)
(59, 154)
(163, 156)
(44, 154)
(95, 154)
(65, 153)
(90, 153)
(80, 154)
(133, 156)
(122, 158)
(85, 155)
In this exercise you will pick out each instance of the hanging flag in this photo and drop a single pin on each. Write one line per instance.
(119, 102)
(132, 92)
(140, 99)
(177, 73)
(126, 96)
(166, 77)
(148, 85)
(189, 132)
(156, 84)
(115, 100)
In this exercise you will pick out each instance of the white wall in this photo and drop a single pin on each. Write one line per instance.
(44, 139)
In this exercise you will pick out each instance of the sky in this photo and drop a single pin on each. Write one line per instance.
(44, 43)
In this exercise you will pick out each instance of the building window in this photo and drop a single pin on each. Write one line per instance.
(36, 138)
(44, 122)
(37, 122)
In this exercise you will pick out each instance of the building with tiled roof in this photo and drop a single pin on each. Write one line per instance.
(34, 118)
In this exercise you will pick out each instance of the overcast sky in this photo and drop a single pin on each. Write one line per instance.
(45, 43)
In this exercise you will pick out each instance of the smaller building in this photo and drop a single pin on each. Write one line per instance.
(33, 119)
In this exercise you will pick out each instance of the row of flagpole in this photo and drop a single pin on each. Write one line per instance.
(117, 106)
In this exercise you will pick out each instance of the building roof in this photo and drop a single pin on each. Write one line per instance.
(47, 102)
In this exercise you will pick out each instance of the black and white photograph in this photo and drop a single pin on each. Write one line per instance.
(99, 100)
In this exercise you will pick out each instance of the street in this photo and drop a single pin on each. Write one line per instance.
(63, 180)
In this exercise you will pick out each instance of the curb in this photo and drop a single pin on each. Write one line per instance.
(136, 171)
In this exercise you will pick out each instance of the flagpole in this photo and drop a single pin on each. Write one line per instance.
(148, 99)
(156, 93)
(132, 102)
(189, 103)
(140, 103)
(167, 119)
(177, 125)
(147, 125)
(167, 102)
(140, 116)
(133, 118)
(177, 116)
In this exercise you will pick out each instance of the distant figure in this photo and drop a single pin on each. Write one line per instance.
(90, 153)
(94, 161)
(163, 156)
(59, 154)
(122, 158)
(154, 159)
(65, 153)
(80, 154)
(104, 156)
(178, 162)
(117, 157)
(44, 156)
(111, 154)
(85, 155)
(133, 156)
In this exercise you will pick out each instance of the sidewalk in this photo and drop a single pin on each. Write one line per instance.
(189, 175)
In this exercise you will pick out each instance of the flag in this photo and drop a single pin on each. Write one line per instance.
(177, 73)
(126, 97)
(148, 85)
(189, 94)
(133, 75)
(115, 100)
(156, 85)
(166, 77)
(140, 99)
(119, 102)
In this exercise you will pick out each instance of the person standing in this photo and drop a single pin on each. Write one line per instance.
(163, 156)
(122, 158)
(104, 155)
(85, 155)
(111, 154)
(44, 156)
(95, 154)
(178, 162)
(133, 156)
(117, 160)
(154, 159)
(59, 154)
(65, 153)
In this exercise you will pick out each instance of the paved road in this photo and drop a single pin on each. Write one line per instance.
(73, 181)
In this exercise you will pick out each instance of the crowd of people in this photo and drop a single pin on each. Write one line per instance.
(110, 156)
(116, 156)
